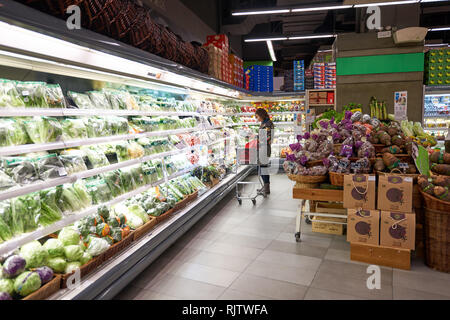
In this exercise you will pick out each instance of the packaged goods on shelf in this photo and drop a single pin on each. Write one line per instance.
(437, 67)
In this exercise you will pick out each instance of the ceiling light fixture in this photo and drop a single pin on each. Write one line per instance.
(439, 29)
(249, 13)
(436, 44)
(266, 39)
(378, 4)
(337, 7)
(318, 36)
(272, 53)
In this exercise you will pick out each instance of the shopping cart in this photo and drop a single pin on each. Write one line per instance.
(248, 156)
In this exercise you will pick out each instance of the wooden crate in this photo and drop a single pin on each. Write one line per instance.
(143, 230)
(383, 256)
(319, 194)
(327, 207)
(328, 228)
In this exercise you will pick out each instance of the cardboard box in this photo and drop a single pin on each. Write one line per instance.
(359, 191)
(328, 228)
(323, 101)
(395, 193)
(322, 94)
(313, 95)
(398, 230)
(363, 226)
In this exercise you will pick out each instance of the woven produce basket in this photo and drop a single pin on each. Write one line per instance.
(193, 196)
(314, 163)
(84, 270)
(118, 247)
(181, 204)
(306, 182)
(46, 290)
(120, 26)
(434, 203)
(437, 239)
(169, 43)
(378, 147)
(336, 179)
(143, 230)
(165, 216)
(337, 148)
(103, 20)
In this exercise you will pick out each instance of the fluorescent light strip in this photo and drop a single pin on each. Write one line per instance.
(338, 7)
(436, 45)
(378, 4)
(249, 13)
(266, 39)
(439, 29)
(272, 53)
(312, 37)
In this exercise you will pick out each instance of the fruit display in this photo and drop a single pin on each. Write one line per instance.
(417, 134)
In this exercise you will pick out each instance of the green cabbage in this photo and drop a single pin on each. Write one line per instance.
(7, 285)
(73, 253)
(54, 247)
(34, 254)
(85, 258)
(57, 264)
(138, 211)
(27, 283)
(97, 246)
(69, 236)
(72, 266)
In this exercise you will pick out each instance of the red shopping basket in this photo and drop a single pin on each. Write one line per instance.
(249, 154)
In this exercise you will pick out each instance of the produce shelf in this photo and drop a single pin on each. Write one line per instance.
(115, 274)
(16, 242)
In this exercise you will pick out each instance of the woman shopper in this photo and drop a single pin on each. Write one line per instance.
(267, 125)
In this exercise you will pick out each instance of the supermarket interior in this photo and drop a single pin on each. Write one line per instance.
(224, 150)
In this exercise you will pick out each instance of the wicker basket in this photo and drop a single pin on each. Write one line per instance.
(118, 247)
(142, 231)
(120, 26)
(378, 147)
(181, 204)
(193, 196)
(437, 239)
(434, 203)
(46, 290)
(336, 179)
(310, 164)
(306, 182)
(84, 270)
(337, 148)
(165, 215)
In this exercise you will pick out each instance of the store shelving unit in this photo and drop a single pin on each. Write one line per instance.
(436, 113)
(46, 46)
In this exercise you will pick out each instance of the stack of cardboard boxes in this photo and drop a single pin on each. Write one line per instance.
(319, 75)
(237, 70)
(309, 79)
(261, 78)
(299, 75)
(437, 67)
(330, 75)
(223, 66)
(383, 232)
(321, 97)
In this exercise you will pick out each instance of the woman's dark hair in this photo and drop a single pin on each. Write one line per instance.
(262, 113)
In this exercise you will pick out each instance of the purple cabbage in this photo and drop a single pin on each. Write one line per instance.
(323, 124)
(291, 157)
(306, 136)
(5, 296)
(348, 126)
(13, 266)
(326, 162)
(336, 136)
(45, 273)
(299, 137)
(314, 136)
(335, 126)
(358, 144)
(303, 160)
(348, 115)
(295, 147)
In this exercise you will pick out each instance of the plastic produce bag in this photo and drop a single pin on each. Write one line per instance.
(127, 180)
(98, 190)
(74, 198)
(25, 211)
(43, 129)
(73, 163)
(54, 96)
(12, 132)
(81, 100)
(32, 93)
(96, 157)
(113, 180)
(135, 150)
(50, 212)
(21, 169)
(73, 129)
(99, 100)
(9, 96)
(115, 99)
(5, 220)
(6, 182)
(49, 167)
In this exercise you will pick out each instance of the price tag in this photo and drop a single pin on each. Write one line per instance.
(403, 165)
(355, 166)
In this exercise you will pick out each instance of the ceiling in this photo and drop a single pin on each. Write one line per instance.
(329, 21)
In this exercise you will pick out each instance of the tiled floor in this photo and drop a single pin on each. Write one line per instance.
(249, 252)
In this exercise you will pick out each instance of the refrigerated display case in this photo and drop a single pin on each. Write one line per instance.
(98, 124)
(436, 116)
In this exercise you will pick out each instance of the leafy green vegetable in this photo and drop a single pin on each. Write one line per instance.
(68, 236)
(26, 283)
(34, 253)
(72, 266)
(43, 129)
(112, 178)
(98, 190)
(54, 247)
(25, 212)
(74, 129)
(21, 169)
(85, 258)
(73, 253)
(73, 163)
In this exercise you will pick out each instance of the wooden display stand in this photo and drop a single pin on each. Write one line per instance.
(319, 194)
(383, 256)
